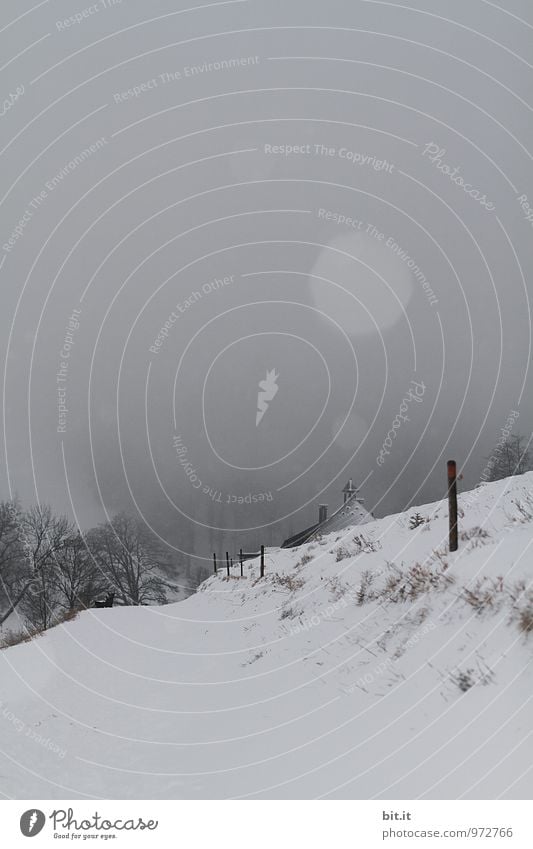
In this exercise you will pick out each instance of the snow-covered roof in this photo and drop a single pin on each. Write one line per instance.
(350, 513)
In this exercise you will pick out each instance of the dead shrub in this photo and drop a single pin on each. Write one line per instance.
(288, 582)
(358, 545)
(338, 589)
(485, 594)
(474, 533)
(525, 619)
(69, 615)
(523, 613)
(410, 584)
(439, 556)
(516, 591)
(304, 560)
(366, 545)
(465, 679)
(365, 592)
(290, 613)
(525, 509)
(15, 638)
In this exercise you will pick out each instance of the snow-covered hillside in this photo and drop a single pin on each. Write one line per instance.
(369, 665)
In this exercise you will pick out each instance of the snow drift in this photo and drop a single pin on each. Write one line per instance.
(367, 664)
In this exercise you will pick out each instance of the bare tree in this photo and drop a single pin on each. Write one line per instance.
(15, 576)
(132, 560)
(78, 578)
(44, 537)
(511, 457)
(47, 567)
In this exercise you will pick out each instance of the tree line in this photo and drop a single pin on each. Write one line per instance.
(511, 456)
(49, 569)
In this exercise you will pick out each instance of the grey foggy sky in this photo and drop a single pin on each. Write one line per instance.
(183, 191)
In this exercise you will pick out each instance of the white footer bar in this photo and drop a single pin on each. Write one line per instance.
(268, 824)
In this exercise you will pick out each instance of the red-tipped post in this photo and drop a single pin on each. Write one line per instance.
(452, 503)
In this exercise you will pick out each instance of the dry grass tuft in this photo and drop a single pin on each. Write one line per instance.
(288, 582)
(523, 613)
(485, 594)
(410, 584)
(304, 560)
(358, 545)
(465, 679)
(15, 638)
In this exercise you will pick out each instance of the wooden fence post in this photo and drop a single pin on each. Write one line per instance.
(452, 503)
(262, 573)
(241, 562)
(215, 562)
(227, 562)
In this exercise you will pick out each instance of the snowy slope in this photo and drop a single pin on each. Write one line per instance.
(347, 672)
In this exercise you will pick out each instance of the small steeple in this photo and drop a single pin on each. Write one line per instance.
(349, 490)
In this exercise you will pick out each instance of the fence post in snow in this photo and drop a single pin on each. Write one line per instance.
(215, 562)
(241, 562)
(452, 504)
(227, 562)
(262, 573)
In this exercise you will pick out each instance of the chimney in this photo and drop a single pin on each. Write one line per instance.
(322, 512)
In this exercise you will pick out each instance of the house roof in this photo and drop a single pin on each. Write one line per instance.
(299, 538)
(350, 513)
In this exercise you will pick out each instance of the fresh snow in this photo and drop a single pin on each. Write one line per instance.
(289, 687)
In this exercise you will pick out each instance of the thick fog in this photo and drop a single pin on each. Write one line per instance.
(327, 199)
